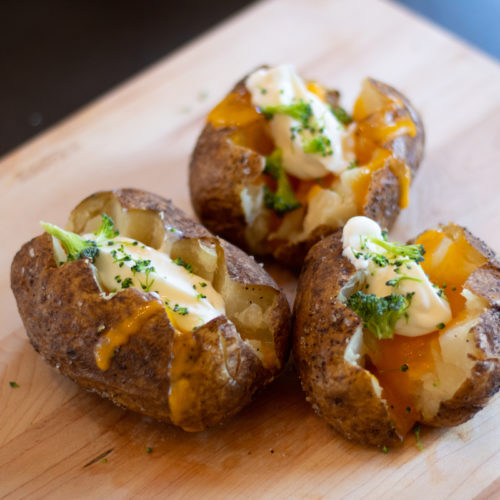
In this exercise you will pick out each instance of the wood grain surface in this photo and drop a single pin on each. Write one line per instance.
(58, 441)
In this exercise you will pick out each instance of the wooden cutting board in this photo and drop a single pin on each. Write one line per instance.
(59, 441)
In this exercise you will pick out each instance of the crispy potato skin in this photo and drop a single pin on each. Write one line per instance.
(219, 170)
(62, 309)
(322, 329)
(342, 393)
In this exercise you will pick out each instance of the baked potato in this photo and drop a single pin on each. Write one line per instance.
(151, 311)
(280, 164)
(386, 336)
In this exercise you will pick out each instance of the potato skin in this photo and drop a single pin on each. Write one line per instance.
(219, 170)
(63, 310)
(342, 393)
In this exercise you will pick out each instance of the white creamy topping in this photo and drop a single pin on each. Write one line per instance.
(282, 86)
(192, 299)
(427, 308)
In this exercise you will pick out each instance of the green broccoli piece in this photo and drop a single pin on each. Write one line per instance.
(283, 200)
(107, 229)
(320, 144)
(342, 115)
(300, 111)
(77, 247)
(380, 314)
(413, 252)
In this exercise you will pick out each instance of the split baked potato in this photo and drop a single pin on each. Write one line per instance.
(388, 335)
(280, 164)
(151, 310)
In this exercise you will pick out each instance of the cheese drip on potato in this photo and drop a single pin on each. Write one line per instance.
(392, 271)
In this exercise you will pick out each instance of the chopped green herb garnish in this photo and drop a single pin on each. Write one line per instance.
(404, 367)
(141, 265)
(149, 450)
(453, 288)
(385, 450)
(201, 296)
(14, 385)
(181, 262)
(300, 111)
(127, 282)
(380, 260)
(352, 164)
(440, 326)
(416, 430)
(318, 145)
(180, 310)
(396, 281)
(380, 314)
(203, 284)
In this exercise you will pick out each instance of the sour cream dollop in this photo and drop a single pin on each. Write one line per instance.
(123, 262)
(428, 308)
(281, 85)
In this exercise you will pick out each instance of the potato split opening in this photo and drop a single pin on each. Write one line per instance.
(332, 200)
(249, 307)
(417, 374)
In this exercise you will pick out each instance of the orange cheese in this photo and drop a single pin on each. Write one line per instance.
(450, 261)
(251, 128)
(372, 131)
(381, 158)
(120, 334)
(317, 89)
(400, 363)
(235, 110)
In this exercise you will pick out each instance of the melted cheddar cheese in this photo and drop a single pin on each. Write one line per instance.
(400, 363)
(120, 334)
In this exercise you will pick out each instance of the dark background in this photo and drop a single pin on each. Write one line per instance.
(57, 55)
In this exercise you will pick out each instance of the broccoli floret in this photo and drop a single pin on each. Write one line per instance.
(77, 247)
(413, 252)
(107, 229)
(319, 145)
(283, 200)
(380, 314)
(300, 111)
(342, 115)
